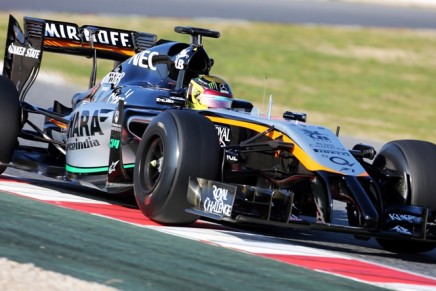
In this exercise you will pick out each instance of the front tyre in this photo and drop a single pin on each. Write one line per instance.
(177, 144)
(418, 160)
(9, 120)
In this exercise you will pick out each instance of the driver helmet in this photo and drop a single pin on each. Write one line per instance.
(207, 91)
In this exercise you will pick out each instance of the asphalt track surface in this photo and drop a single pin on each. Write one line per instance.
(128, 257)
(90, 236)
(84, 246)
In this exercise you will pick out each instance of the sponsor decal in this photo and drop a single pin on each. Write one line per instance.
(327, 147)
(114, 98)
(105, 36)
(164, 100)
(212, 86)
(23, 51)
(113, 78)
(405, 217)
(118, 96)
(216, 86)
(80, 145)
(341, 161)
(179, 63)
(112, 167)
(223, 134)
(173, 100)
(335, 155)
(86, 124)
(204, 83)
(401, 230)
(316, 135)
(114, 143)
(116, 127)
(144, 59)
(224, 88)
(231, 158)
(347, 166)
(219, 203)
(116, 116)
(293, 218)
(62, 30)
(322, 151)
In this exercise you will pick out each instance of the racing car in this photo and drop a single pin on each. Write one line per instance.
(161, 127)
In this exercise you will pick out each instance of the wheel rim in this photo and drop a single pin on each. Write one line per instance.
(153, 164)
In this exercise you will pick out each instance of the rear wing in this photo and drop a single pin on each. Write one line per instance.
(24, 50)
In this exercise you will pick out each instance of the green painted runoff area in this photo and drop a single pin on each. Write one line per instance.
(129, 257)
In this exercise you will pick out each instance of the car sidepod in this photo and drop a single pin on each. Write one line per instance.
(88, 138)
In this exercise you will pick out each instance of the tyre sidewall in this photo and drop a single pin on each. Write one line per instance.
(9, 120)
(149, 200)
(416, 158)
(191, 148)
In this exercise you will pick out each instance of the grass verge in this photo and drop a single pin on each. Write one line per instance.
(374, 83)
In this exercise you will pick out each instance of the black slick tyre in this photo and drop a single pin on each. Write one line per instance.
(9, 120)
(418, 160)
(177, 144)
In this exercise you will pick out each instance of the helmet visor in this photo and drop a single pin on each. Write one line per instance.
(214, 101)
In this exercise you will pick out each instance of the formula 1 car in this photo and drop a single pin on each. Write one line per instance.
(134, 132)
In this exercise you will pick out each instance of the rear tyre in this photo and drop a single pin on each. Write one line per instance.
(177, 144)
(417, 159)
(9, 120)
